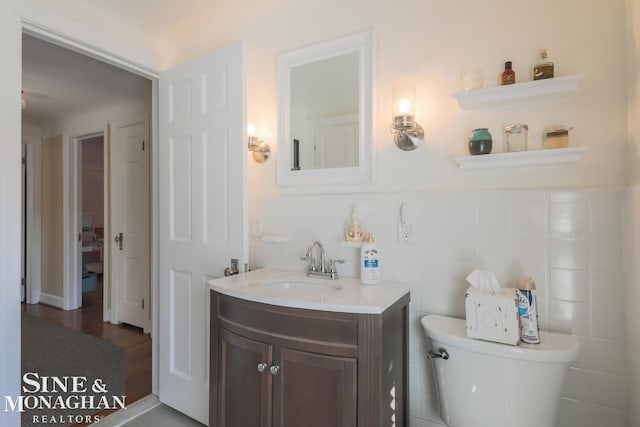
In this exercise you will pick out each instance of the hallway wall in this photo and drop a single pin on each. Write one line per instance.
(52, 290)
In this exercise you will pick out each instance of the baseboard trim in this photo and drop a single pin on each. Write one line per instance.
(52, 300)
(132, 411)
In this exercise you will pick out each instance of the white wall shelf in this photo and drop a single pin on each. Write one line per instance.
(519, 92)
(274, 238)
(552, 156)
(351, 244)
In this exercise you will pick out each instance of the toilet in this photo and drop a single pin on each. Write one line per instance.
(486, 384)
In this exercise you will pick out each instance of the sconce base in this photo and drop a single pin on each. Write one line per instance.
(409, 141)
(261, 152)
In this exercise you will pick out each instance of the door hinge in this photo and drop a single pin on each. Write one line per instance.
(24, 160)
(142, 145)
(79, 237)
(23, 281)
(142, 304)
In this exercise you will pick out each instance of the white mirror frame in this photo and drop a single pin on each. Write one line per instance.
(363, 173)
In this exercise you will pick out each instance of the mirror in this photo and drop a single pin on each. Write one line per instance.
(325, 113)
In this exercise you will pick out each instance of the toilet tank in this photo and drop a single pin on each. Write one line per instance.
(486, 384)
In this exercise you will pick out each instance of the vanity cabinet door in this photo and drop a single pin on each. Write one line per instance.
(314, 390)
(244, 397)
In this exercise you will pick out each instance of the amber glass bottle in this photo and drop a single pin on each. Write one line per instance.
(508, 76)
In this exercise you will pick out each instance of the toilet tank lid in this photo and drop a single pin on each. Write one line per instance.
(553, 347)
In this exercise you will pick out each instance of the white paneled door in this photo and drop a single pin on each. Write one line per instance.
(203, 213)
(130, 212)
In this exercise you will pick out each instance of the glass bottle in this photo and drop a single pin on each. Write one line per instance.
(544, 68)
(508, 76)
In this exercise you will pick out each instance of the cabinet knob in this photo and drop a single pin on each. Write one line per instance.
(273, 370)
(262, 367)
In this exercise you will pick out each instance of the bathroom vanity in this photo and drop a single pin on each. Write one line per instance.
(287, 350)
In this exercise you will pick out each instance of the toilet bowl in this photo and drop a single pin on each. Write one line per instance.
(486, 384)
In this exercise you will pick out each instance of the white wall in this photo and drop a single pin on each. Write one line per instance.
(433, 44)
(97, 119)
(125, 44)
(10, 209)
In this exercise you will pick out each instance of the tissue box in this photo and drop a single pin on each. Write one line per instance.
(492, 316)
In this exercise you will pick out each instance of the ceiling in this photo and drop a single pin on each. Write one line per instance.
(59, 83)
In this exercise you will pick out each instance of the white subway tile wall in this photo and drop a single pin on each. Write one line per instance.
(570, 242)
(631, 296)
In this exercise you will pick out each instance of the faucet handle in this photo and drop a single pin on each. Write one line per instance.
(332, 263)
(333, 271)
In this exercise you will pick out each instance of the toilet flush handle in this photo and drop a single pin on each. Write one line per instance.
(442, 354)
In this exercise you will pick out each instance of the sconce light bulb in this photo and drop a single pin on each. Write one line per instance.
(404, 106)
(251, 129)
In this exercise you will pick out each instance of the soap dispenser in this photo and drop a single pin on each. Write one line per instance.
(369, 262)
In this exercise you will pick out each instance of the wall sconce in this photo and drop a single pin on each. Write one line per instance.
(407, 134)
(260, 150)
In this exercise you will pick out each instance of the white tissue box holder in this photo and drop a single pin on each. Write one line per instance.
(492, 316)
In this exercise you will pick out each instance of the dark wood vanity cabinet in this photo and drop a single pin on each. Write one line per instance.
(288, 367)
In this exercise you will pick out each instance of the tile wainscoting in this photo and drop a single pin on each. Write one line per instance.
(570, 241)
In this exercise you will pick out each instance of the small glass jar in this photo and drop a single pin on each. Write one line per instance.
(515, 138)
(557, 137)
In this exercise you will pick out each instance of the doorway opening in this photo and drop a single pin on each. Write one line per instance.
(93, 217)
(76, 166)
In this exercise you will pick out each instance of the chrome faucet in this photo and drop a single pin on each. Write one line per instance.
(319, 268)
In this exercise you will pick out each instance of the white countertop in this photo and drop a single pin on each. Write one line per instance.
(346, 295)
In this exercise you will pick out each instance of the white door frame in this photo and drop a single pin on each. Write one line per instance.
(111, 56)
(33, 216)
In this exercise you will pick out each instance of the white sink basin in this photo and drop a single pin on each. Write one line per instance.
(301, 287)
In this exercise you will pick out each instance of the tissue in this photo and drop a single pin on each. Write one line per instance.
(492, 312)
(485, 281)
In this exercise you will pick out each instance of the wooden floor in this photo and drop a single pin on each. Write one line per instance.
(88, 320)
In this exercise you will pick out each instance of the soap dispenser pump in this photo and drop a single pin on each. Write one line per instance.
(369, 262)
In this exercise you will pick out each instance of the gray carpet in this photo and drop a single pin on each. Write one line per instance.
(52, 350)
